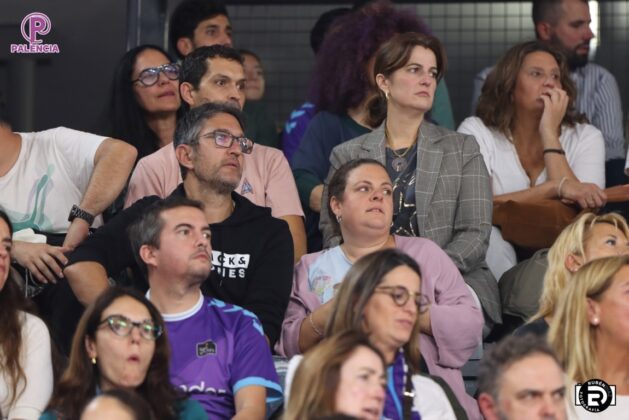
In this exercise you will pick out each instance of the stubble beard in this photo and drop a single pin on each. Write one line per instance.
(221, 186)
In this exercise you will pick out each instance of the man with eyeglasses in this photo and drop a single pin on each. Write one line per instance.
(216, 74)
(219, 355)
(252, 253)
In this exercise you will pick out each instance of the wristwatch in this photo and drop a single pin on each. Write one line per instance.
(81, 214)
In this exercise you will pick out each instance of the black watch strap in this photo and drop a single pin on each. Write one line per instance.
(81, 214)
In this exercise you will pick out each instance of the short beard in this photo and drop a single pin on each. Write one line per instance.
(221, 186)
(573, 59)
(576, 61)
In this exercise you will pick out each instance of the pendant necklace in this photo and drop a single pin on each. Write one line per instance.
(399, 162)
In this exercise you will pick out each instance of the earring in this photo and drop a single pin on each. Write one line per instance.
(93, 360)
(595, 321)
(386, 95)
(339, 219)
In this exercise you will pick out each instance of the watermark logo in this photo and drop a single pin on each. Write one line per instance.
(595, 395)
(33, 26)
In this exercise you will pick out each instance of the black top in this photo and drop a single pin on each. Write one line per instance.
(538, 327)
(252, 257)
(404, 208)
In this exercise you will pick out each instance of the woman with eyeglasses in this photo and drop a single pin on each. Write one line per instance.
(120, 343)
(144, 99)
(362, 205)
(26, 375)
(382, 297)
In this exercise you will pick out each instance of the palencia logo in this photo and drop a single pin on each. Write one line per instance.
(595, 395)
(33, 26)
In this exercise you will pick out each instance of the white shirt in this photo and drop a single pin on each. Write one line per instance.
(36, 363)
(583, 144)
(50, 175)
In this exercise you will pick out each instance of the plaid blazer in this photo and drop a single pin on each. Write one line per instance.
(453, 200)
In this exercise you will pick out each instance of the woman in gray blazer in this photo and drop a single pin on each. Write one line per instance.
(441, 186)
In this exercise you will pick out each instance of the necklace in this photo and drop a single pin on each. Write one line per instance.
(398, 163)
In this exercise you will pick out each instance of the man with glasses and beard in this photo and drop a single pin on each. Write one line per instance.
(252, 252)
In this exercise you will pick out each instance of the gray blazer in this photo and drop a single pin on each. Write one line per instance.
(452, 196)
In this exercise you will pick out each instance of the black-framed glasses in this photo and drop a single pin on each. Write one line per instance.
(122, 326)
(225, 139)
(150, 76)
(401, 295)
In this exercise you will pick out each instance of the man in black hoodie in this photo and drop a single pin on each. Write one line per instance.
(252, 252)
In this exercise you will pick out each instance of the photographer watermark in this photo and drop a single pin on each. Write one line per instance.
(595, 395)
(33, 26)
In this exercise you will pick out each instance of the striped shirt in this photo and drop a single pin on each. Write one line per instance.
(598, 98)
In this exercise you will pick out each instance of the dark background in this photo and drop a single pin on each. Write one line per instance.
(71, 88)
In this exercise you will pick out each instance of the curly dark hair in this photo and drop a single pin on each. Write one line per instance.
(342, 79)
(80, 380)
(495, 105)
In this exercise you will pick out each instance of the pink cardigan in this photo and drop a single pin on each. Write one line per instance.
(456, 321)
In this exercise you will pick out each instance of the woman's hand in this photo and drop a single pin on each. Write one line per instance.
(588, 196)
(555, 106)
(313, 326)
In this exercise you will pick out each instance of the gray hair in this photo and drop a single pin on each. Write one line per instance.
(503, 355)
(190, 125)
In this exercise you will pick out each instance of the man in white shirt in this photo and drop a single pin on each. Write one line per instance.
(57, 182)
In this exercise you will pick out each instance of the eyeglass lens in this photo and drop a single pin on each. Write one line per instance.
(401, 295)
(150, 76)
(226, 140)
(122, 326)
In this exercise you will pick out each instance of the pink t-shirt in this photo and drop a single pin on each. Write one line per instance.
(266, 179)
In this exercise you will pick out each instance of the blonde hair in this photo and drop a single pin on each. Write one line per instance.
(570, 241)
(571, 334)
(313, 391)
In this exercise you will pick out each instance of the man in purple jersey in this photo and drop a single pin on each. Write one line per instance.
(219, 354)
